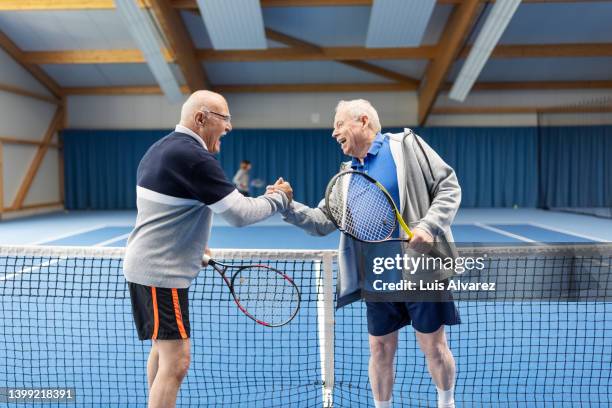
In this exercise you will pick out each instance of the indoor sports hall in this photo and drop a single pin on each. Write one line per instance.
(511, 97)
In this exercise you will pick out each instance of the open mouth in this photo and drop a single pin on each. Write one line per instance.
(342, 140)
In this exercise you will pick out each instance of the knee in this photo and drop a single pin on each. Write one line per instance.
(178, 368)
(182, 367)
(381, 352)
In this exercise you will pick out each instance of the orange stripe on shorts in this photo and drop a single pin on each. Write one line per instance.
(178, 314)
(155, 313)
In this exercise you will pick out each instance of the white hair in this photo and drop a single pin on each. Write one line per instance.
(358, 108)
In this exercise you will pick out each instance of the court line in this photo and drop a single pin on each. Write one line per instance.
(564, 231)
(114, 239)
(30, 269)
(506, 233)
(70, 234)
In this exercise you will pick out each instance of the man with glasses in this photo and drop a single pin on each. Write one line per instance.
(180, 184)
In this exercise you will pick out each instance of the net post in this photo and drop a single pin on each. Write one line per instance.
(325, 306)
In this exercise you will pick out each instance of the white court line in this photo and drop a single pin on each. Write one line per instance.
(69, 234)
(29, 269)
(506, 233)
(563, 231)
(109, 241)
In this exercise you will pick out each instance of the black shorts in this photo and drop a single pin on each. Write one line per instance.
(160, 313)
(425, 317)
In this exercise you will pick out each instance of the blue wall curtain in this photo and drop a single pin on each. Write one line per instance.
(307, 158)
(100, 165)
(576, 166)
(497, 167)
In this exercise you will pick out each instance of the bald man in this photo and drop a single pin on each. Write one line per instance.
(180, 184)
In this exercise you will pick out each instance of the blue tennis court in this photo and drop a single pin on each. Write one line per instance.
(77, 326)
(112, 228)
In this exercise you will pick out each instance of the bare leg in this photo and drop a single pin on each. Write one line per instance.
(440, 360)
(152, 363)
(381, 369)
(173, 364)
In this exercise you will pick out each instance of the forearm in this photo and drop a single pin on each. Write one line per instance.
(245, 211)
(312, 220)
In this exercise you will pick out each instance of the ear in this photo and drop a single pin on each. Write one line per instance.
(200, 119)
(365, 121)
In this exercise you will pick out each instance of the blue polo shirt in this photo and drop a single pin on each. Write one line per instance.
(379, 164)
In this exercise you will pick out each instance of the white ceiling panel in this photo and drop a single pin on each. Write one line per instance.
(66, 30)
(233, 25)
(223, 73)
(199, 35)
(398, 23)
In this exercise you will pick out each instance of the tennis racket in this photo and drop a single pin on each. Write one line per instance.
(262, 293)
(362, 208)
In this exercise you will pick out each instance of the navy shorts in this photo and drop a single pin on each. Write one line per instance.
(160, 313)
(425, 317)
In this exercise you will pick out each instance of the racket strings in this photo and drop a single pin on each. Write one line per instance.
(266, 294)
(361, 209)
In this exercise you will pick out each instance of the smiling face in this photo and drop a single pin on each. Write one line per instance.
(354, 135)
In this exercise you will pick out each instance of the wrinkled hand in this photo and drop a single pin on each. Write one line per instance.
(281, 185)
(421, 241)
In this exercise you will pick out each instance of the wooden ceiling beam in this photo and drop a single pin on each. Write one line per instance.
(24, 92)
(314, 53)
(20, 57)
(360, 65)
(455, 32)
(326, 54)
(180, 44)
(36, 162)
(133, 56)
(50, 5)
(265, 88)
(30, 5)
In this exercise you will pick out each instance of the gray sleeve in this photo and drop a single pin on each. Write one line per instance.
(241, 211)
(312, 220)
(446, 193)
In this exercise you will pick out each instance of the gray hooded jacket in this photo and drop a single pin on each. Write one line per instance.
(429, 199)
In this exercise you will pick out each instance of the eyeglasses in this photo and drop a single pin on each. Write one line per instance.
(226, 118)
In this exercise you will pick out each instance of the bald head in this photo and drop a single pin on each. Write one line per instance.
(198, 101)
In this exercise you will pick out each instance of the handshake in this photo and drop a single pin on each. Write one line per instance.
(281, 185)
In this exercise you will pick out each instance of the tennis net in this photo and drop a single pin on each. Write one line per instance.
(66, 322)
